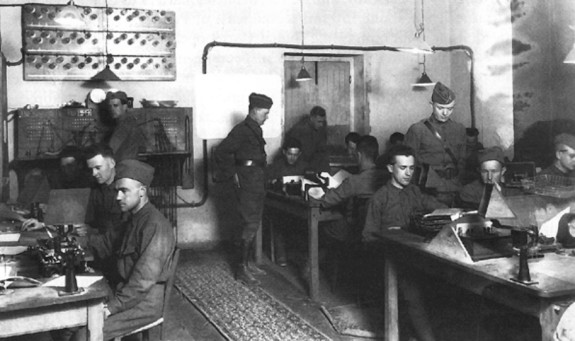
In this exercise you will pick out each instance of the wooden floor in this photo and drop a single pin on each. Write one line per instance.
(454, 314)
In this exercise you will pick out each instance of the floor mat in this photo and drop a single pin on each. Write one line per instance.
(240, 312)
(353, 320)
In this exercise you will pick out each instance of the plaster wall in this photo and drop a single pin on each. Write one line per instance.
(391, 103)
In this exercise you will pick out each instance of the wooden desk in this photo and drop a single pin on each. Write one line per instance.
(489, 278)
(40, 309)
(310, 211)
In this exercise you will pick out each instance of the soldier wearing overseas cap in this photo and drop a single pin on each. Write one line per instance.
(142, 259)
(564, 164)
(492, 168)
(440, 143)
(241, 156)
(126, 138)
(138, 296)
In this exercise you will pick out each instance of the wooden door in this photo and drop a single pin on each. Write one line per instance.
(329, 88)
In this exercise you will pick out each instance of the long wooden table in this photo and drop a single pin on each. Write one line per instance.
(39, 309)
(490, 278)
(309, 211)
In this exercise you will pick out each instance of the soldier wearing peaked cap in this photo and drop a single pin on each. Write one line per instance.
(440, 143)
(241, 157)
(564, 164)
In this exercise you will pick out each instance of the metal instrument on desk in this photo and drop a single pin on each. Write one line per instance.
(60, 254)
(524, 239)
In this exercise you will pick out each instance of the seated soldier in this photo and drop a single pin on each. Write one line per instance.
(136, 299)
(564, 164)
(390, 208)
(288, 164)
(364, 184)
(492, 168)
(351, 140)
(351, 196)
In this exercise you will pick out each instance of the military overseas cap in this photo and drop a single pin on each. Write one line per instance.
(121, 95)
(136, 170)
(493, 153)
(442, 94)
(565, 139)
(260, 101)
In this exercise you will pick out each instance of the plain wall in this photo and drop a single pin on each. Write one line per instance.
(391, 103)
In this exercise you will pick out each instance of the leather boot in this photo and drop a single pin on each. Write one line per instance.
(242, 272)
(252, 266)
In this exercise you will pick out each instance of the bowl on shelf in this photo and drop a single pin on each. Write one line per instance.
(158, 104)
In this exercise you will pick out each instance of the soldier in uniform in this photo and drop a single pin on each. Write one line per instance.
(492, 169)
(564, 164)
(312, 133)
(126, 138)
(242, 156)
(440, 143)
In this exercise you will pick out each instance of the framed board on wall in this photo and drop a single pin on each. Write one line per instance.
(137, 44)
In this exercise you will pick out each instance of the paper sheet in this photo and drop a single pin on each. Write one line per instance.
(453, 213)
(83, 281)
(336, 179)
(551, 226)
(9, 237)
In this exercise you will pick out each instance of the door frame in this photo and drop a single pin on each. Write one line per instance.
(359, 109)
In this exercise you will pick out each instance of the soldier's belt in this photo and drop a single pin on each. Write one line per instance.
(250, 163)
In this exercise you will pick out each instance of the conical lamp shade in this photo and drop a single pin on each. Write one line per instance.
(570, 59)
(424, 80)
(70, 16)
(303, 75)
(105, 75)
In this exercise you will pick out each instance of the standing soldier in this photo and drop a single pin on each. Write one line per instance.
(440, 143)
(242, 156)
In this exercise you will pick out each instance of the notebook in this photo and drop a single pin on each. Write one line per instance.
(67, 206)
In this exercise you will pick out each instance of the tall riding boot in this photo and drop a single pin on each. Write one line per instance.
(242, 272)
(252, 266)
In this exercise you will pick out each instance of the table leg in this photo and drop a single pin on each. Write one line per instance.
(313, 253)
(259, 245)
(95, 323)
(391, 306)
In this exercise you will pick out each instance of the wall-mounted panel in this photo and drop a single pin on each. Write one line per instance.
(137, 44)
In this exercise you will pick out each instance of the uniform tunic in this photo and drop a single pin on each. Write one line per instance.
(127, 139)
(104, 214)
(245, 142)
(391, 206)
(280, 168)
(430, 150)
(361, 185)
(103, 211)
(554, 171)
(142, 264)
(314, 144)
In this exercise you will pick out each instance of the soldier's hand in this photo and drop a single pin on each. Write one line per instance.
(32, 224)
